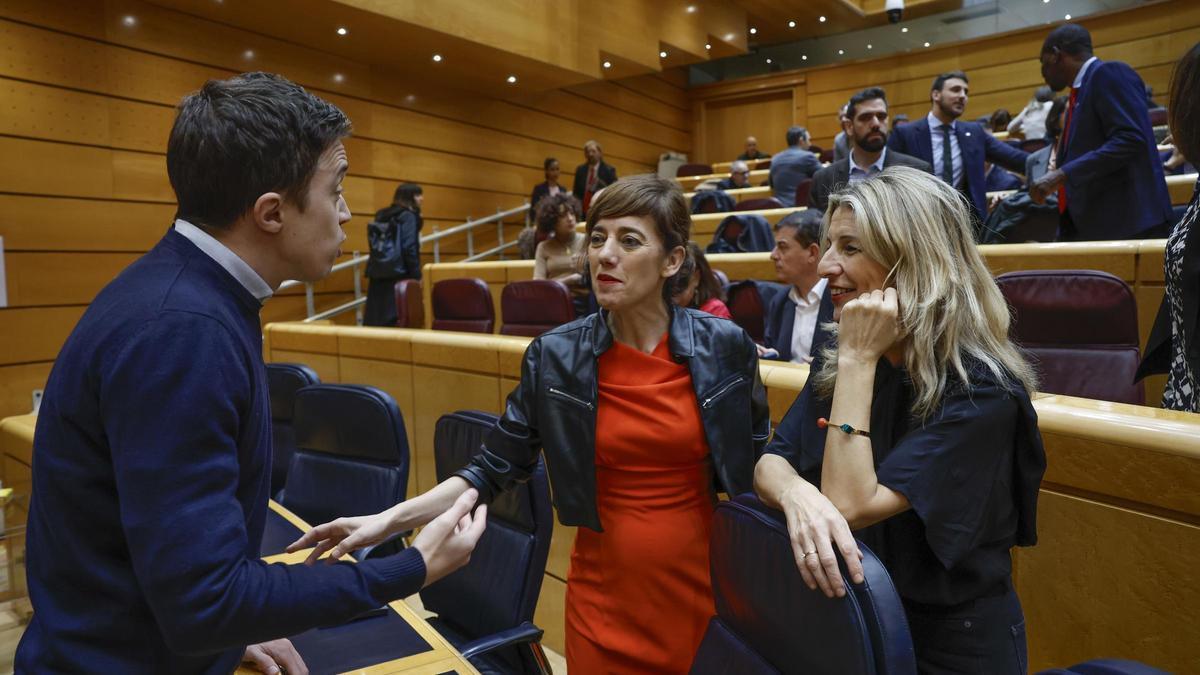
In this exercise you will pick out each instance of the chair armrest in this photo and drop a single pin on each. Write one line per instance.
(523, 634)
(366, 551)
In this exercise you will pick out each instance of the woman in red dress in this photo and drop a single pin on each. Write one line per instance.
(637, 408)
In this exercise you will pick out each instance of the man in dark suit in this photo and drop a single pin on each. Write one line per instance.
(955, 149)
(1108, 177)
(792, 166)
(792, 326)
(739, 176)
(593, 175)
(866, 122)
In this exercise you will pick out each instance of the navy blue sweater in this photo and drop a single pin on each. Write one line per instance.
(151, 473)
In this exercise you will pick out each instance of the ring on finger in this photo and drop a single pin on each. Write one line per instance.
(808, 553)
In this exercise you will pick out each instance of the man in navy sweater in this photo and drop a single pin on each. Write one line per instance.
(151, 460)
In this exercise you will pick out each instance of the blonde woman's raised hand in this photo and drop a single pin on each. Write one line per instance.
(870, 326)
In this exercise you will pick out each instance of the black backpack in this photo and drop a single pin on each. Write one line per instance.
(387, 258)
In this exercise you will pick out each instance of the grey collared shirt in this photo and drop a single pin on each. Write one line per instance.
(935, 137)
(227, 259)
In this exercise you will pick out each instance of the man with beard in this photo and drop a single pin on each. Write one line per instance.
(867, 123)
(956, 149)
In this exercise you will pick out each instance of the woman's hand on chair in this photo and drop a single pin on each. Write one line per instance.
(816, 528)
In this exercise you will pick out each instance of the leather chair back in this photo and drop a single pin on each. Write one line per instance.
(283, 381)
(748, 302)
(758, 204)
(802, 191)
(351, 456)
(463, 305)
(1080, 329)
(498, 589)
(1033, 144)
(533, 307)
(686, 170)
(826, 155)
(768, 621)
(410, 308)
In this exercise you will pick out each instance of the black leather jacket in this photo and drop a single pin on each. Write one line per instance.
(553, 409)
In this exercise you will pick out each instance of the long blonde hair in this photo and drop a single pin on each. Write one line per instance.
(919, 227)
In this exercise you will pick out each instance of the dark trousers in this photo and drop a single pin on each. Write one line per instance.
(982, 636)
(380, 309)
(1067, 231)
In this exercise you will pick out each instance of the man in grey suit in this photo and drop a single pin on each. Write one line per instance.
(792, 166)
(866, 122)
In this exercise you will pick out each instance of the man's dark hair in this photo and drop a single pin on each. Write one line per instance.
(940, 80)
(406, 196)
(807, 224)
(794, 134)
(868, 94)
(547, 162)
(237, 139)
(1184, 108)
(1069, 38)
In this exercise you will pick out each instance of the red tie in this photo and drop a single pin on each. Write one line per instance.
(1062, 148)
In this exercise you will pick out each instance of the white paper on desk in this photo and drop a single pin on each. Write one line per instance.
(3, 278)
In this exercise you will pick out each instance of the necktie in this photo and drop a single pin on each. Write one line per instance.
(947, 160)
(1062, 148)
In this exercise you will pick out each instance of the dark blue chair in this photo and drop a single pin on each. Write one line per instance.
(1106, 667)
(768, 621)
(283, 381)
(485, 609)
(351, 456)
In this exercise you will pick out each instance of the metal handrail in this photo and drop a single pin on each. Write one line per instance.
(356, 260)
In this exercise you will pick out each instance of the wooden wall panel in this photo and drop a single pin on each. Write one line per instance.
(728, 123)
(1004, 69)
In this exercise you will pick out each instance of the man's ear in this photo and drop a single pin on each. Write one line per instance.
(268, 212)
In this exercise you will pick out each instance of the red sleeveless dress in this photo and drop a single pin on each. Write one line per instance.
(639, 594)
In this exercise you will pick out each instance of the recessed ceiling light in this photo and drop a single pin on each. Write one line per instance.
(129, 20)
(662, 54)
(870, 46)
(904, 30)
(608, 64)
(926, 44)
(1067, 17)
(1045, 2)
(822, 19)
(338, 77)
(248, 54)
(841, 52)
(768, 60)
(410, 98)
(437, 58)
(342, 31)
(791, 24)
(691, 8)
(707, 46)
(804, 57)
(754, 31)
(512, 79)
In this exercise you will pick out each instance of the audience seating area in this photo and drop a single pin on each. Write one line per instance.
(284, 380)
(756, 177)
(462, 304)
(533, 307)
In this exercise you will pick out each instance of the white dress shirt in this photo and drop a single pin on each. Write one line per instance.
(227, 259)
(935, 136)
(1082, 71)
(806, 321)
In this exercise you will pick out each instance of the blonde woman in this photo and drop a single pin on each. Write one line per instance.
(915, 429)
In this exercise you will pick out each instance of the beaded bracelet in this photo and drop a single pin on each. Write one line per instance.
(844, 428)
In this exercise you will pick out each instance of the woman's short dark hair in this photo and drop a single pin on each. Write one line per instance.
(648, 196)
(709, 286)
(548, 162)
(1000, 119)
(237, 139)
(552, 207)
(406, 196)
(1184, 109)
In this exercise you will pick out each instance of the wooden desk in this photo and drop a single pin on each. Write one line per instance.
(403, 629)
(741, 194)
(756, 177)
(728, 166)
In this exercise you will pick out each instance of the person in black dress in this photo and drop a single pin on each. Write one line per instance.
(915, 429)
(395, 239)
(1172, 347)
